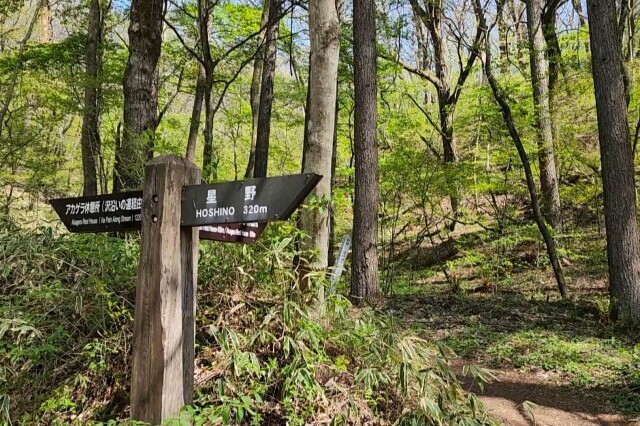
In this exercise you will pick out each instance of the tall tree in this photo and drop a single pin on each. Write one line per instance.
(266, 89)
(448, 89)
(90, 136)
(324, 28)
(623, 249)
(209, 163)
(544, 127)
(140, 93)
(507, 116)
(364, 277)
(553, 50)
(254, 91)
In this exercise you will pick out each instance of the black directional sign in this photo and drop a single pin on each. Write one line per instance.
(101, 213)
(247, 233)
(253, 200)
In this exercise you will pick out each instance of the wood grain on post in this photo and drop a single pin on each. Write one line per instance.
(163, 347)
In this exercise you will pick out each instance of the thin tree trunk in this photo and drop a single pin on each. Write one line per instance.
(209, 163)
(546, 157)
(577, 6)
(8, 97)
(254, 93)
(515, 136)
(266, 90)
(196, 113)
(140, 92)
(332, 210)
(503, 39)
(364, 279)
(324, 29)
(90, 136)
(516, 11)
(623, 249)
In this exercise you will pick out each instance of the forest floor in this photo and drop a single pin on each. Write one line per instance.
(557, 362)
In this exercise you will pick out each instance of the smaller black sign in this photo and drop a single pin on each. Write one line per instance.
(101, 213)
(246, 233)
(253, 200)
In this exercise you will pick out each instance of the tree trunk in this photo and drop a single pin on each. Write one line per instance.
(140, 92)
(623, 250)
(503, 39)
(254, 93)
(332, 210)
(515, 136)
(266, 90)
(554, 53)
(90, 136)
(324, 29)
(546, 157)
(577, 6)
(46, 23)
(516, 10)
(364, 279)
(196, 113)
(209, 162)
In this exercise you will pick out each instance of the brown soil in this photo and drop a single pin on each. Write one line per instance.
(555, 403)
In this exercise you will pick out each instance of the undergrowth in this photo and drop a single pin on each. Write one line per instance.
(264, 353)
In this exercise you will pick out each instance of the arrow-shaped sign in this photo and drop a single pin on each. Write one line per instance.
(253, 200)
(101, 213)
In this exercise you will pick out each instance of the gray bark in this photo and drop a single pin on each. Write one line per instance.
(540, 83)
(364, 277)
(623, 249)
(325, 53)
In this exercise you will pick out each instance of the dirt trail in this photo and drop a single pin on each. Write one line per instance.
(556, 404)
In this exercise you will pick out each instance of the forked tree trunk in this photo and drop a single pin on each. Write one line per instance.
(324, 30)
(90, 136)
(266, 90)
(140, 92)
(546, 157)
(364, 277)
(623, 250)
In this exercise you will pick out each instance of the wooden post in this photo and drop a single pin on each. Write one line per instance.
(164, 328)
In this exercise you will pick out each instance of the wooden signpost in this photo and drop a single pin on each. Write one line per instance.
(174, 211)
